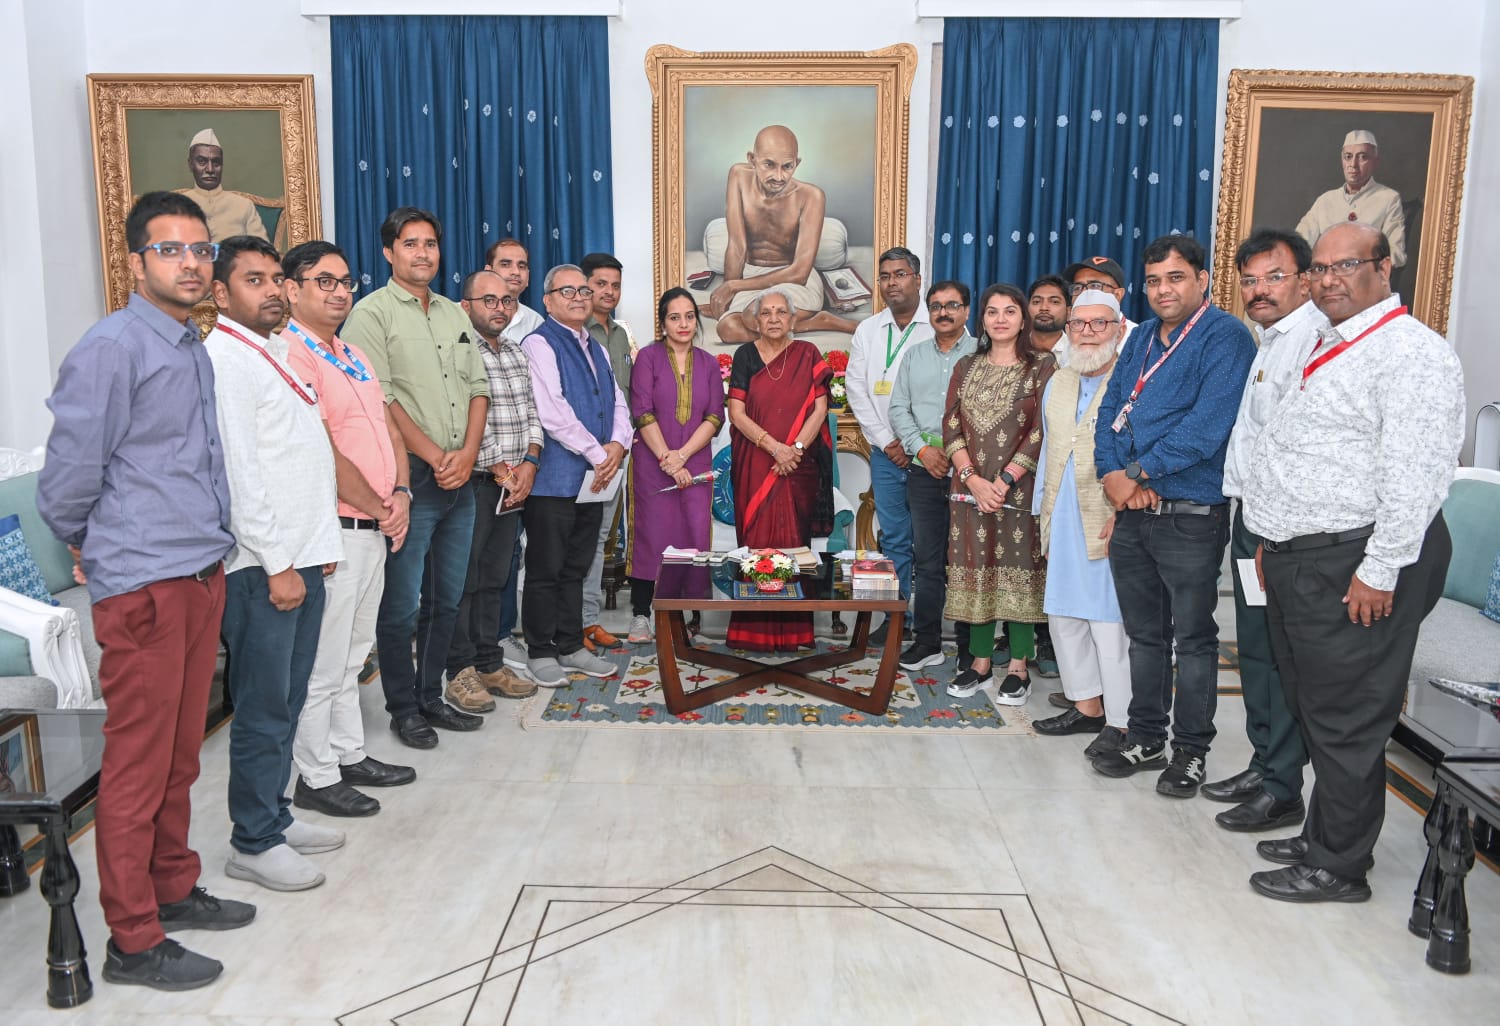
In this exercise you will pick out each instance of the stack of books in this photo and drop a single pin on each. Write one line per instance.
(806, 559)
(672, 554)
(874, 577)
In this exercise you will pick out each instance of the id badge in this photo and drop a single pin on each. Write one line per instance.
(1121, 419)
(882, 387)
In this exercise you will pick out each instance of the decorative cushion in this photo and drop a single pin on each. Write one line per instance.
(833, 246)
(1492, 604)
(18, 570)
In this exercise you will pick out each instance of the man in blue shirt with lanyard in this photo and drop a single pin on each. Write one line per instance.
(1160, 440)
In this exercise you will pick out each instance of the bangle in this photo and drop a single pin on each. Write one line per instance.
(966, 473)
(763, 433)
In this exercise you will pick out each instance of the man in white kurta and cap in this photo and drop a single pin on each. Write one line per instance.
(1360, 198)
(228, 213)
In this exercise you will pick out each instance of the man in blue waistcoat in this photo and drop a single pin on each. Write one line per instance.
(587, 426)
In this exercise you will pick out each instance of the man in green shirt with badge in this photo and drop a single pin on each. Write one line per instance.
(437, 390)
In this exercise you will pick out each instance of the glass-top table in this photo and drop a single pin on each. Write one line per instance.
(684, 587)
(49, 770)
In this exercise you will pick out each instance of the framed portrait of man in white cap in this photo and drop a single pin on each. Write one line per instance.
(1305, 151)
(243, 149)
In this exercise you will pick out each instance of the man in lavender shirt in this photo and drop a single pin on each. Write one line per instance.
(586, 424)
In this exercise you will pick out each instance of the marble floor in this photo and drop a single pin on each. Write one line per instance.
(614, 876)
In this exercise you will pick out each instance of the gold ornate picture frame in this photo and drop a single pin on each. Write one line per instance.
(1283, 134)
(850, 115)
(143, 126)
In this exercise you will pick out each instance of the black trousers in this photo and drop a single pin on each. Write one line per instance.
(561, 536)
(1279, 754)
(1345, 682)
(642, 591)
(476, 632)
(927, 499)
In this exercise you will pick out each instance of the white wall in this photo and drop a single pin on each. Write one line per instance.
(67, 38)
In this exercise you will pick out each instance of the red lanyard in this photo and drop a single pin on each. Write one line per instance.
(1146, 375)
(1317, 361)
(310, 400)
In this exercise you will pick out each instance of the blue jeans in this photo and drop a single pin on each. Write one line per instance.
(889, 483)
(1166, 571)
(437, 549)
(271, 656)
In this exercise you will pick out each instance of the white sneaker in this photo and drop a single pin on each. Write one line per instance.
(585, 661)
(547, 673)
(515, 653)
(312, 839)
(640, 631)
(279, 869)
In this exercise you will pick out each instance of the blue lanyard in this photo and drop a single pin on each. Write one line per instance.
(356, 370)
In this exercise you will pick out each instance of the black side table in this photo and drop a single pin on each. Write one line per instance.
(51, 763)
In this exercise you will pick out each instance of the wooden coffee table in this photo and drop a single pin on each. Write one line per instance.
(59, 774)
(688, 588)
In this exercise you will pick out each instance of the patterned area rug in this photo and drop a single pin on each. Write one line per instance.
(633, 698)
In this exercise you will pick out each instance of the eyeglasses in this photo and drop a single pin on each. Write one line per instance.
(491, 302)
(172, 252)
(952, 306)
(1095, 325)
(572, 291)
(329, 283)
(886, 277)
(1079, 287)
(1273, 279)
(1342, 268)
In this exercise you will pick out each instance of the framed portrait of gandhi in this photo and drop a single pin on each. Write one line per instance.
(244, 148)
(1307, 150)
(779, 170)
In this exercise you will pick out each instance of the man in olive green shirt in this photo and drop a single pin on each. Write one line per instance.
(603, 273)
(435, 385)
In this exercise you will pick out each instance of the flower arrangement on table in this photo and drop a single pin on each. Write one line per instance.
(726, 364)
(770, 569)
(838, 392)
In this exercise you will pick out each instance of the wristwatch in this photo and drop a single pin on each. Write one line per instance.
(1005, 476)
(1133, 471)
(403, 488)
(799, 446)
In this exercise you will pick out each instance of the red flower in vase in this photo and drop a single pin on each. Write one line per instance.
(726, 364)
(838, 360)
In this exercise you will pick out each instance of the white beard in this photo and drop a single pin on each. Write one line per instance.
(1086, 363)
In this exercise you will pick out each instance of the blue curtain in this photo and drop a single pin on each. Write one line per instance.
(1064, 138)
(499, 125)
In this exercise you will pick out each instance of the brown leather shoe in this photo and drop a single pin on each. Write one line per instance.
(506, 684)
(596, 638)
(467, 693)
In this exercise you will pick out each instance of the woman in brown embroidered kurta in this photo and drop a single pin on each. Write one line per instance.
(992, 433)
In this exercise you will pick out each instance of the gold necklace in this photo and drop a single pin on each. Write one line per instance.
(775, 377)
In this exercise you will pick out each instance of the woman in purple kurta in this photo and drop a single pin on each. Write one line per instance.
(676, 407)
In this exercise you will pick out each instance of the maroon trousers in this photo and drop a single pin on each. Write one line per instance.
(159, 646)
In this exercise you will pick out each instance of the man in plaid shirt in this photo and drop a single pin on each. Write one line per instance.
(503, 474)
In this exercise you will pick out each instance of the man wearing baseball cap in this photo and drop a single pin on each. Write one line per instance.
(1360, 198)
(1106, 275)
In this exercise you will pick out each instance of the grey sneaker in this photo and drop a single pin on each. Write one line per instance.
(515, 653)
(640, 631)
(168, 966)
(585, 661)
(547, 673)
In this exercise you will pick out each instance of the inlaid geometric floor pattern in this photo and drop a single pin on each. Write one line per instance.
(767, 938)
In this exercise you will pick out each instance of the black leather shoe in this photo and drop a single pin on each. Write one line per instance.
(370, 772)
(1263, 812)
(1060, 700)
(1306, 884)
(201, 911)
(413, 732)
(1070, 722)
(1236, 789)
(449, 718)
(337, 799)
(1110, 739)
(168, 966)
(1289, 851)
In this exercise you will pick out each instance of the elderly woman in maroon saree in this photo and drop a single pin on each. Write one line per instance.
(782, 463)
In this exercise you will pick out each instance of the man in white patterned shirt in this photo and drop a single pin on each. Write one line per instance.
(1272, 265)
(1346, 485)
(283, 515)
(503, 475)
